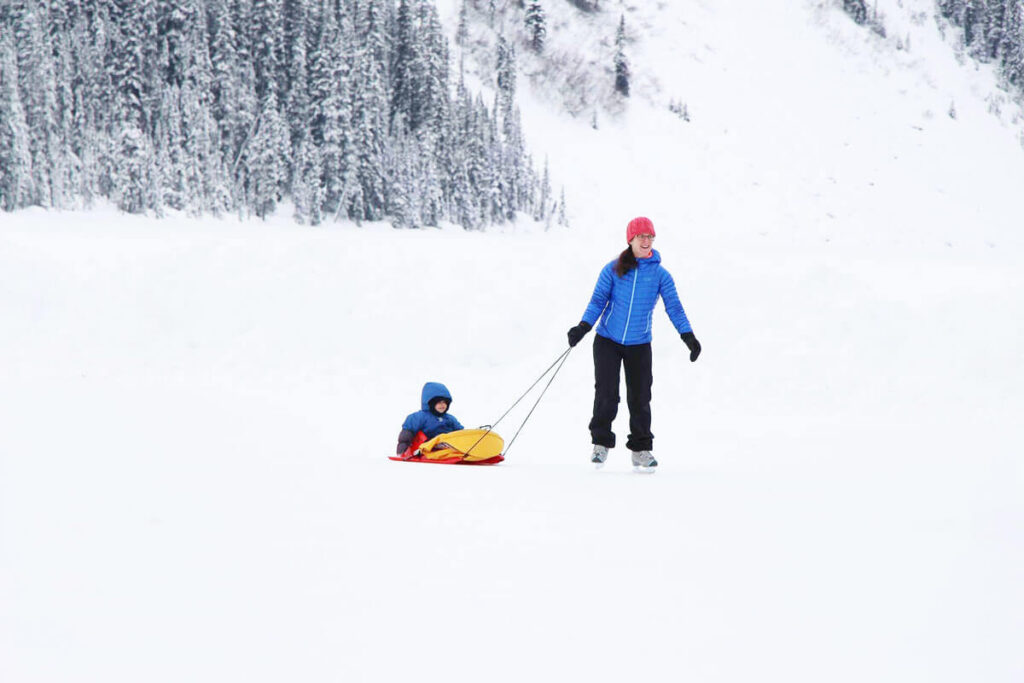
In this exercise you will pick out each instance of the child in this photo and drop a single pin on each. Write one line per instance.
(431, 420)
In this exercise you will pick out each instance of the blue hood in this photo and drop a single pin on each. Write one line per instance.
(655, 257)
(434, 390)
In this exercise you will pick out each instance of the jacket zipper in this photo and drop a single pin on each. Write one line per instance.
(629, 313)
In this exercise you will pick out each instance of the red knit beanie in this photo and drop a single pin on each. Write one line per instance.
(640, 225)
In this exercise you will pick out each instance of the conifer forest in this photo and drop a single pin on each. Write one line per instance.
(348, 109)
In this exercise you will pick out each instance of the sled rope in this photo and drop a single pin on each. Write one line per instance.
(561, 358)
(565, 356)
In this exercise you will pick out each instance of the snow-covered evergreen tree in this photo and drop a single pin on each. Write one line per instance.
(994, 35)
(331, 109)
(498, 193)
(432, 198)
(37, 85)
(16, 175)
(433, 92)
(307, 190)
(1011, 47)
(267, 31)
(132, 78)
(857, 9)
(536, 29)
(206, 167)
(224, 84)
(205, 170)
(505, 72)
(266, 159)
(169, 136)
(127, 63)
(131, 174)
(370, 112)
(407, 75)
(620, 62)
(462, 30)
(542, 211)
(976, 28)
(66, 173)
(93, 96)
(297, 104)
(402, 163)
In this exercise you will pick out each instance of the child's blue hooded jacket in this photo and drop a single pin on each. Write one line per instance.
(428, 422)
(626, 304)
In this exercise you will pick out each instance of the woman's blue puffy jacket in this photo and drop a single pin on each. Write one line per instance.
(626, 304)
(428, 422)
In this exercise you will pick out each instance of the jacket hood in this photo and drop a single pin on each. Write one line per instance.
(654, 258)
(435, 390)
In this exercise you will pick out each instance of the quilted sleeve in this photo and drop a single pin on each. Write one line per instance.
(674, 307)
(599, 299)
(414, 422)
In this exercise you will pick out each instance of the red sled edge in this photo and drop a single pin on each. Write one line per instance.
(450, 461)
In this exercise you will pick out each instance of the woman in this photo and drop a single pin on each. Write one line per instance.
(624, 299)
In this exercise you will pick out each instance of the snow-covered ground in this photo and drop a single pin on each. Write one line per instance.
(194, 415)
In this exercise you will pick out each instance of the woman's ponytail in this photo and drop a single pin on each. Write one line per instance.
(626, 263)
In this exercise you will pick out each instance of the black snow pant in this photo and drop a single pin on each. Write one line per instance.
(608, 358)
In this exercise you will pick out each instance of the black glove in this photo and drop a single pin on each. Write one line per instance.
(692, 344)
(576, 333)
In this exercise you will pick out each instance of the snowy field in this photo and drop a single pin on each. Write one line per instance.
(195, 415)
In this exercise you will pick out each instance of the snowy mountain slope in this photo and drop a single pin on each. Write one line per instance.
(196, 414)
(810, 110)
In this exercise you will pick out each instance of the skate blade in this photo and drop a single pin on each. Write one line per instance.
(598, 465)
(644, 470)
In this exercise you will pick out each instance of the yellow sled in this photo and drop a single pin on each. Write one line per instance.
(479, 443)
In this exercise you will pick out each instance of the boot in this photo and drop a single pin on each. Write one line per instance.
(644, 461)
